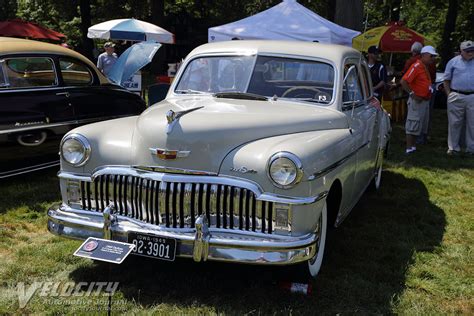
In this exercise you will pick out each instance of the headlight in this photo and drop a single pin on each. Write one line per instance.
(75, 149)
(285, 170)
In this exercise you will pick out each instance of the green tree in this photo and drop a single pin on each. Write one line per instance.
(8, 9)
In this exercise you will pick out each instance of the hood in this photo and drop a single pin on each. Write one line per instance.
(211, 132)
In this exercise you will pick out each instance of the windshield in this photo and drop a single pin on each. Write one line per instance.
(269, 76)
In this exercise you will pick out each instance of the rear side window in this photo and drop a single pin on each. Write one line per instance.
(29, 72)
(75, 73)
(3, 82)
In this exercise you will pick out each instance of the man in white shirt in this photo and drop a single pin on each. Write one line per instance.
(459, 86)
(106, 60)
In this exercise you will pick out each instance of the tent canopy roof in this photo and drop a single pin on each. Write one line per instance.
(288, 20)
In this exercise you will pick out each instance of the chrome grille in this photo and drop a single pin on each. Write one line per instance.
(178, 204)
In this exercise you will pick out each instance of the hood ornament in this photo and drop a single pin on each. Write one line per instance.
(172, 117)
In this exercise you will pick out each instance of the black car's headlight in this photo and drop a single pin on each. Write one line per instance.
(284, 169)
(75, 149)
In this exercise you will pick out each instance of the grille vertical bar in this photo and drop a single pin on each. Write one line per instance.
(254, 215)
(212, 205)
(247, 209)
(219, 203)
(88, 188)
(157, 203)
(120, 199)
(187, 204)
(193, 203)
(206, 201)
(167, 203)
(181, 204)
(270, 216)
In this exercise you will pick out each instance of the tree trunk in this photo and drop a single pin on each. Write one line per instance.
(446, 45)
(396, 4)
(86, 22)
(158, 12)
(350, 14)
(331, 5)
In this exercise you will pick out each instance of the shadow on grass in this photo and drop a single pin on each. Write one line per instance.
(364, 270)
(431, 156)
(30, 189)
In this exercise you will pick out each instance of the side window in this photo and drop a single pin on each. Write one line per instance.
(3, 81)
(30, 72)
(352, 90)
(74, 72)
(365, 81)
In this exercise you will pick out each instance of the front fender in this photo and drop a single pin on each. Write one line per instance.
(317, 150)
(111, 144)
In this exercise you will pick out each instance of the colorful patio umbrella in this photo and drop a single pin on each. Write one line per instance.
(20, 28)
(130, 30)
(392, 38)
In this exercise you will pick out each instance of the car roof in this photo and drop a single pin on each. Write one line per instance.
(331, 52)
(10, 45)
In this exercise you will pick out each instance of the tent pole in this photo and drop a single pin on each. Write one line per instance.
(390, 63)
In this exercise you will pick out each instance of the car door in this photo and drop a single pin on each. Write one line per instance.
(362, 117)
(33, 111)
(92, 100)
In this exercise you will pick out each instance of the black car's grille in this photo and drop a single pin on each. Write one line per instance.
(178, 204)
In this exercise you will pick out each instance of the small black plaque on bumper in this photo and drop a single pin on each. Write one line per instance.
(104, 250)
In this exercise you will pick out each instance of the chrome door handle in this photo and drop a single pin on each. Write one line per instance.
(66, 94)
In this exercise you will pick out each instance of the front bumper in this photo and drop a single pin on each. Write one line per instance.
(200, 243)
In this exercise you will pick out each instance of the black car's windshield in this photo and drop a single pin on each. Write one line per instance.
(269, 76)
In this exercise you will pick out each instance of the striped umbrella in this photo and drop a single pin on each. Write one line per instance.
(392, 38)
(130, 30)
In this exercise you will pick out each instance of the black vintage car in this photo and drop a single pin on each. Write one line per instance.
(45, 91)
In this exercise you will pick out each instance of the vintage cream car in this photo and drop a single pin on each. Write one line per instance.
(258, 147)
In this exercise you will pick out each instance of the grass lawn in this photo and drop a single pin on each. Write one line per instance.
(406, 250)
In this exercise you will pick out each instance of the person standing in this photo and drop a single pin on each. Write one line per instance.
(416, 55)
(106, 60)
(378, 72)
(417, 82)
(459, 86)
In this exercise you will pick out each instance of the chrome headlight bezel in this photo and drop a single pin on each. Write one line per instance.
(86, 148)
(297, 165)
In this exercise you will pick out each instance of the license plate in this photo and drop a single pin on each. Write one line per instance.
(153, 246)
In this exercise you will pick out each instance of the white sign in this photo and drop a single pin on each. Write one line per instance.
(134, 83)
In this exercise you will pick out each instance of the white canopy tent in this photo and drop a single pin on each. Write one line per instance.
(288, 20)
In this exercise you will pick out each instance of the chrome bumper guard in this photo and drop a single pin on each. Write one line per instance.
(199, 243)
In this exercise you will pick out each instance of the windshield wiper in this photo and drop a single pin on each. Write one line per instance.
(308, 100)
(241, 95)
(189, 91)
(316, 101)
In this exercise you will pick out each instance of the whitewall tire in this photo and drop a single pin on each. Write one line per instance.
(314, 265)
(378, 174)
